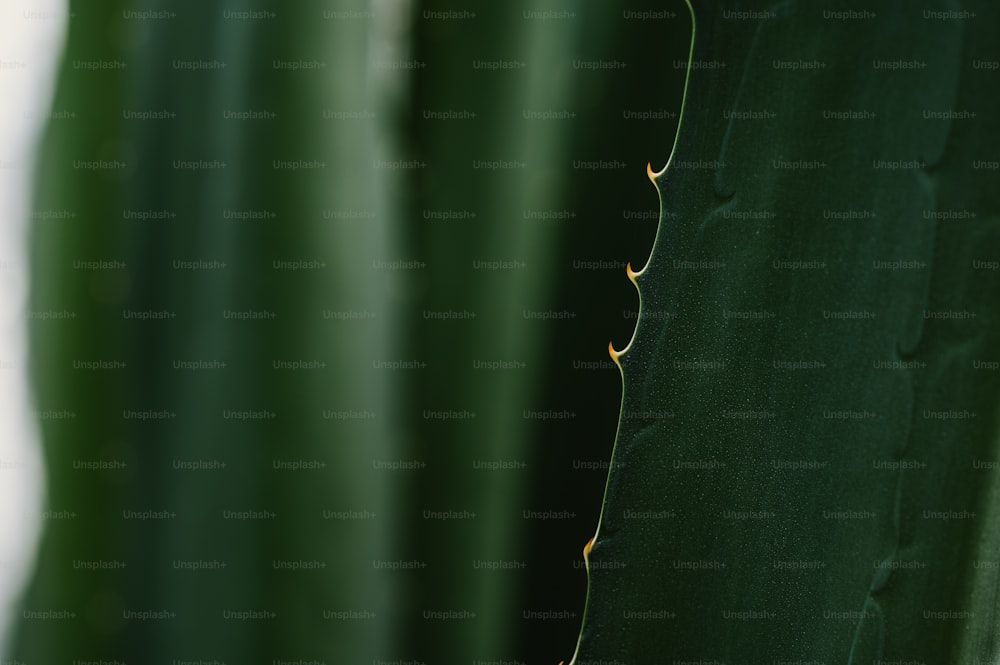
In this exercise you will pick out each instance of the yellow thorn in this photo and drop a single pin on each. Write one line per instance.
(615, 355)
(649, 172)
(631, 273)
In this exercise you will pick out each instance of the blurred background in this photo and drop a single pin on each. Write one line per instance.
(305, 320)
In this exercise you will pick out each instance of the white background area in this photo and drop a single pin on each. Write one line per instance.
(32, 34)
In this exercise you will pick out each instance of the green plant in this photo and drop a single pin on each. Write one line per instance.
(805, 463)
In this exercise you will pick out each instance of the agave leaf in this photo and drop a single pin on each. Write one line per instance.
(804, 463)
